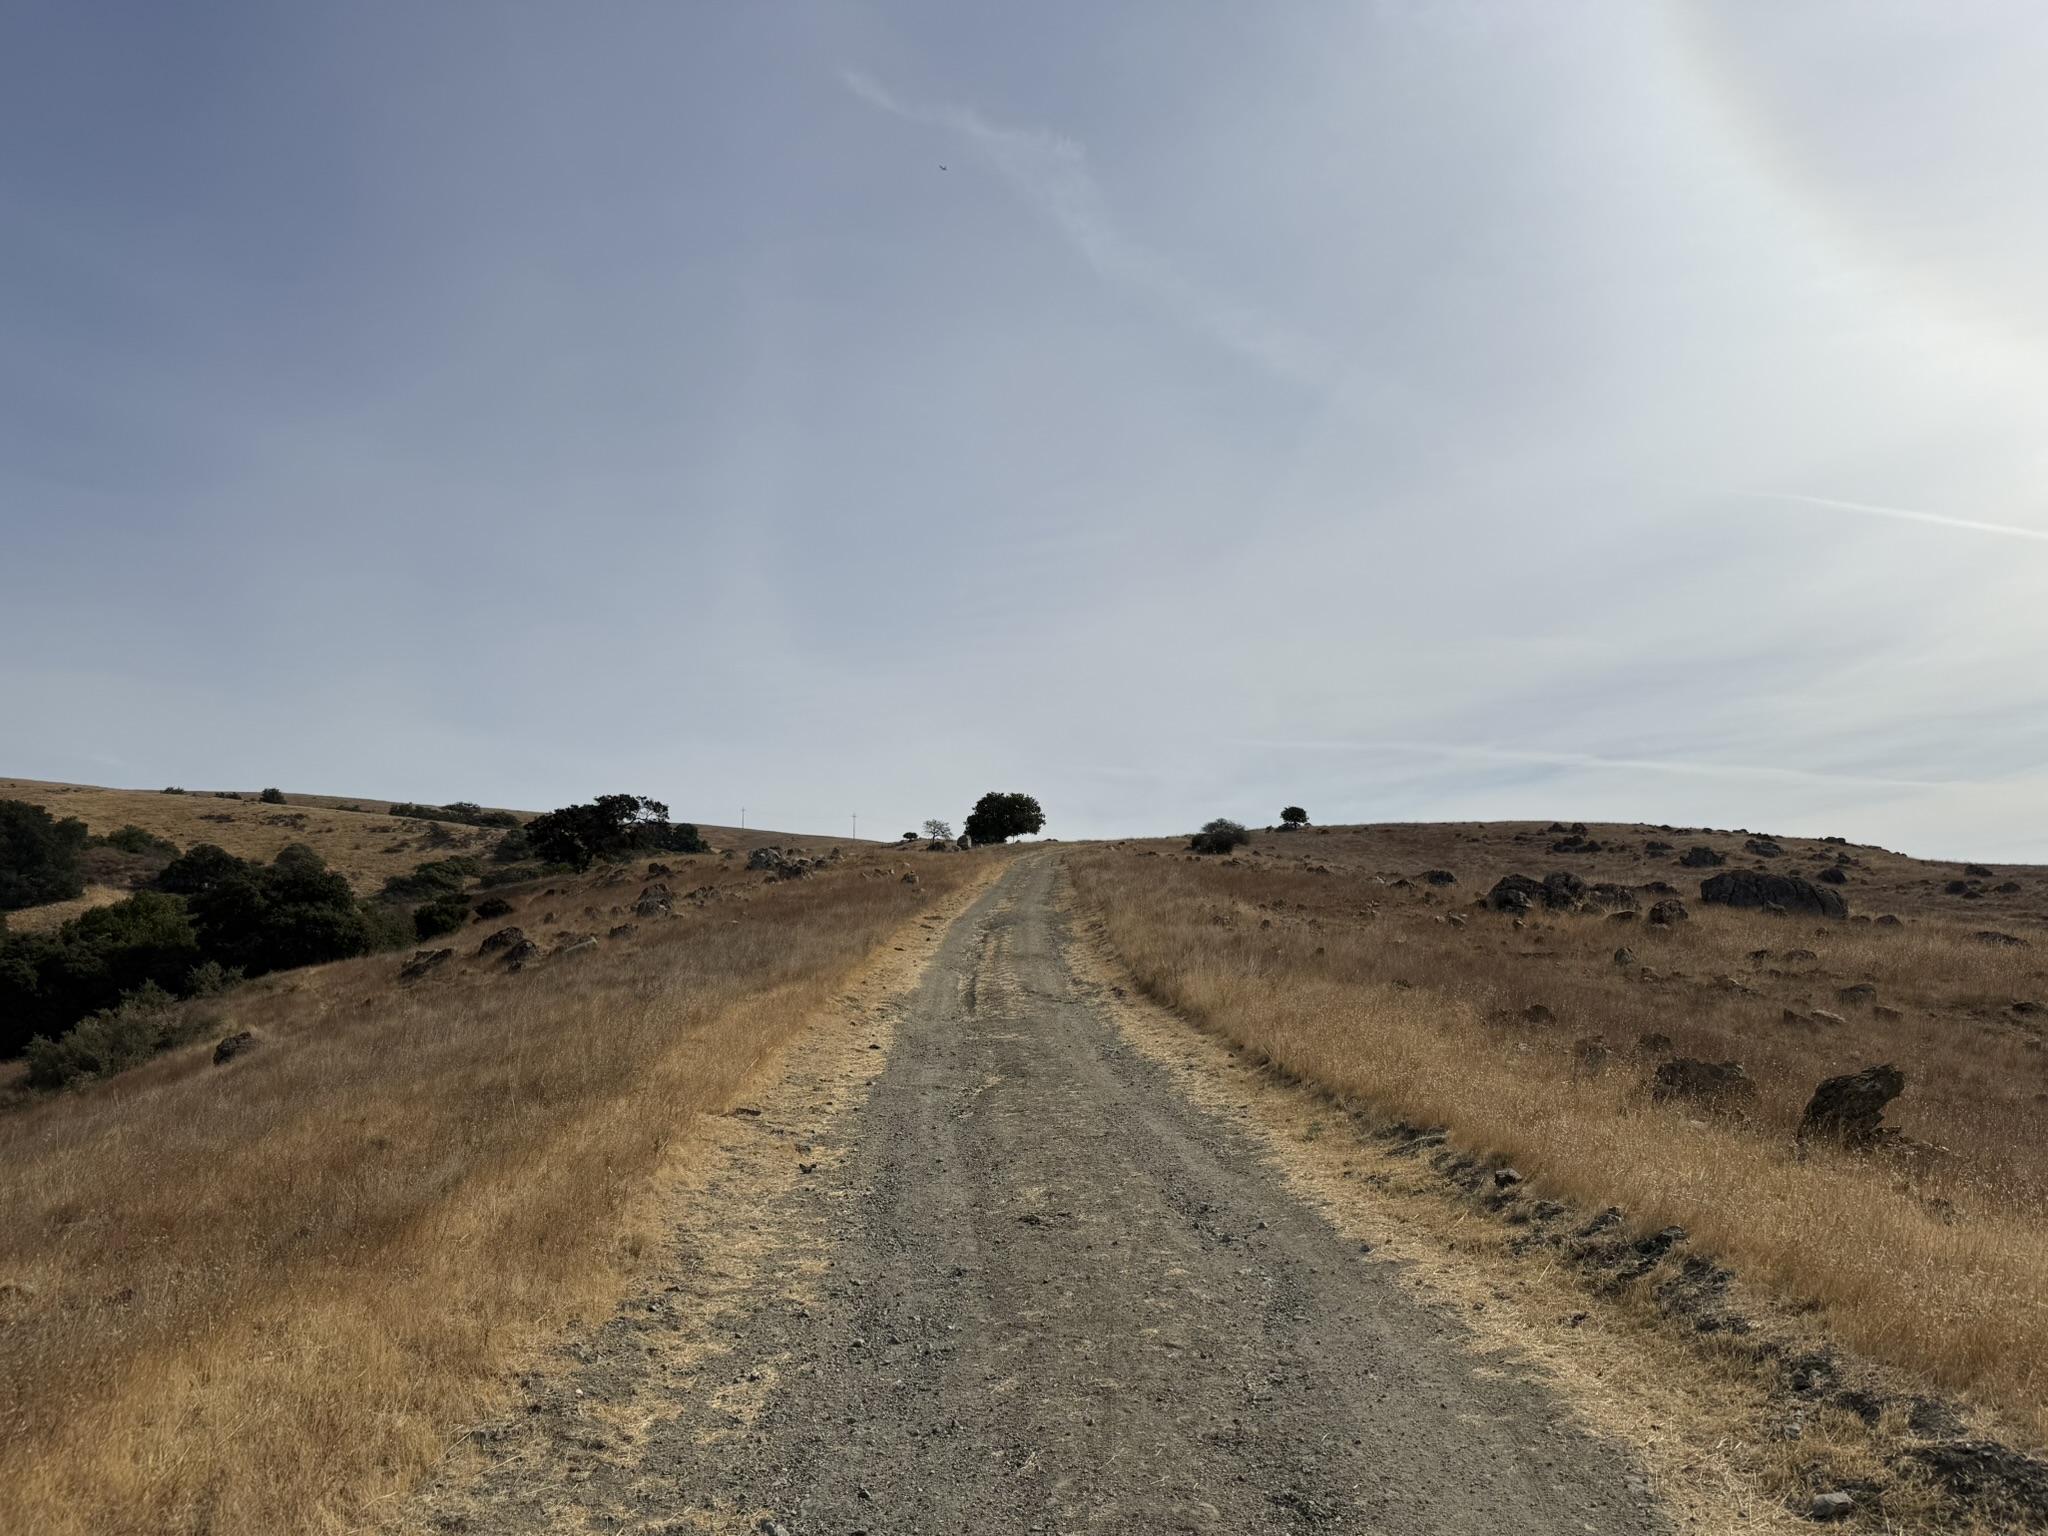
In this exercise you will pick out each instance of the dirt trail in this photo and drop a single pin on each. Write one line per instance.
(1016, 1281)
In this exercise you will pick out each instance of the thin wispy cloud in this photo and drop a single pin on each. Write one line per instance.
(1591, 760)
(1052, 174)
(1899, 514)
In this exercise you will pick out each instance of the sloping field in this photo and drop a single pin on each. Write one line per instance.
(367, 846)
(1534, 1040)
(264, 1295)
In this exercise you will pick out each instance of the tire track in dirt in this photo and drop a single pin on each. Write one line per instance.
(1027, 1285)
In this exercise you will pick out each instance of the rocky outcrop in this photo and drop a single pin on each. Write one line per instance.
(1516, 893)
(1755, 889)
(423, 961)
(1850, 1109)
(1668, 911)
(1702, 858)
(656, 901)
(233, 1046)
(504, 938)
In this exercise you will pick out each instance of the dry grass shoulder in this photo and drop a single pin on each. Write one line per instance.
(1348, 970)
(264, 1296)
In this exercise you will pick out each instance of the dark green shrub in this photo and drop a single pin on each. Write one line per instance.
(272, 797)
(443, 915)
(1293, 818)
(1219, 836)
(134, 839)
(111, 1040)
(512, 847)
(173, 790)
(996, 818)
(38, 856)
(493, 906)
(49, 981)
(609, 827)
(257, 918)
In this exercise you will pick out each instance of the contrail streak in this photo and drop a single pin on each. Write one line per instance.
(1940, 520)
(1587, 760)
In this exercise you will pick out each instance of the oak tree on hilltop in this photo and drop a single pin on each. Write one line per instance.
(998, 817)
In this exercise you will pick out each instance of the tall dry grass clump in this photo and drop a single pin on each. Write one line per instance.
(1934, 1258)
(263, 1297)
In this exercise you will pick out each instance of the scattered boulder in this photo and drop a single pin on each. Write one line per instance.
(1516, 893)
(504, 938)
(233, 1046)
(909, 879)
(1861, 992)
(1563, 890)
(1537, 1013)
(1889, 921)
(1656, 846)
(656, 901)
(1702, 858)
(1833, 1505)
(1979, 871)
(521, 955)
(1439, 877)
(1832, 875)
(654, 870)
(1993, 936)
(2007, 888)
(1713, 1085)
(622, 930)
(1652, 1043)
(1624, 956)
(1668, 911)
(576, 944)
(1753, 889)
(1763, 848)
(1823, 1016)
(962, 842)
(423, 961)
(1850, 1109)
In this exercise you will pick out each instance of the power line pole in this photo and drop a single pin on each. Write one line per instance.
(743, 818)
(856, 826)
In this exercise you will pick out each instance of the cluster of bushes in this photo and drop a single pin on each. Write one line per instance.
(1219, 836)
(610, 827)
(38, 856)
(439, 886)
(136, 840)
(209, 909)
(146, 1021)
(467, 812)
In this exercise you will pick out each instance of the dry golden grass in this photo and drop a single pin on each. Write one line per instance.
(1935, 1261)
(263, 1297)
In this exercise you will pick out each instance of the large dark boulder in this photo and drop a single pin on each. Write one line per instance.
(1702, 858)
(1517, 893)
(1756, 888)
(1563, 890)
(1850, 1109)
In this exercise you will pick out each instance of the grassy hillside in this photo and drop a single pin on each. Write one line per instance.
(1534, 1038)
(261, 1294)
(364, 845)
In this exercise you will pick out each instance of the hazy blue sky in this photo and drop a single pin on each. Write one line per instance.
(1603, 410)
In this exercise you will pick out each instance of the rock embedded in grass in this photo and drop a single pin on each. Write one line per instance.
(1754, 889)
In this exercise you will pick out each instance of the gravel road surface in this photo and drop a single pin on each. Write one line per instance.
(1031, 1288)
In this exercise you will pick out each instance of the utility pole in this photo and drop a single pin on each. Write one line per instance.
(856, 826)
(743, 818)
